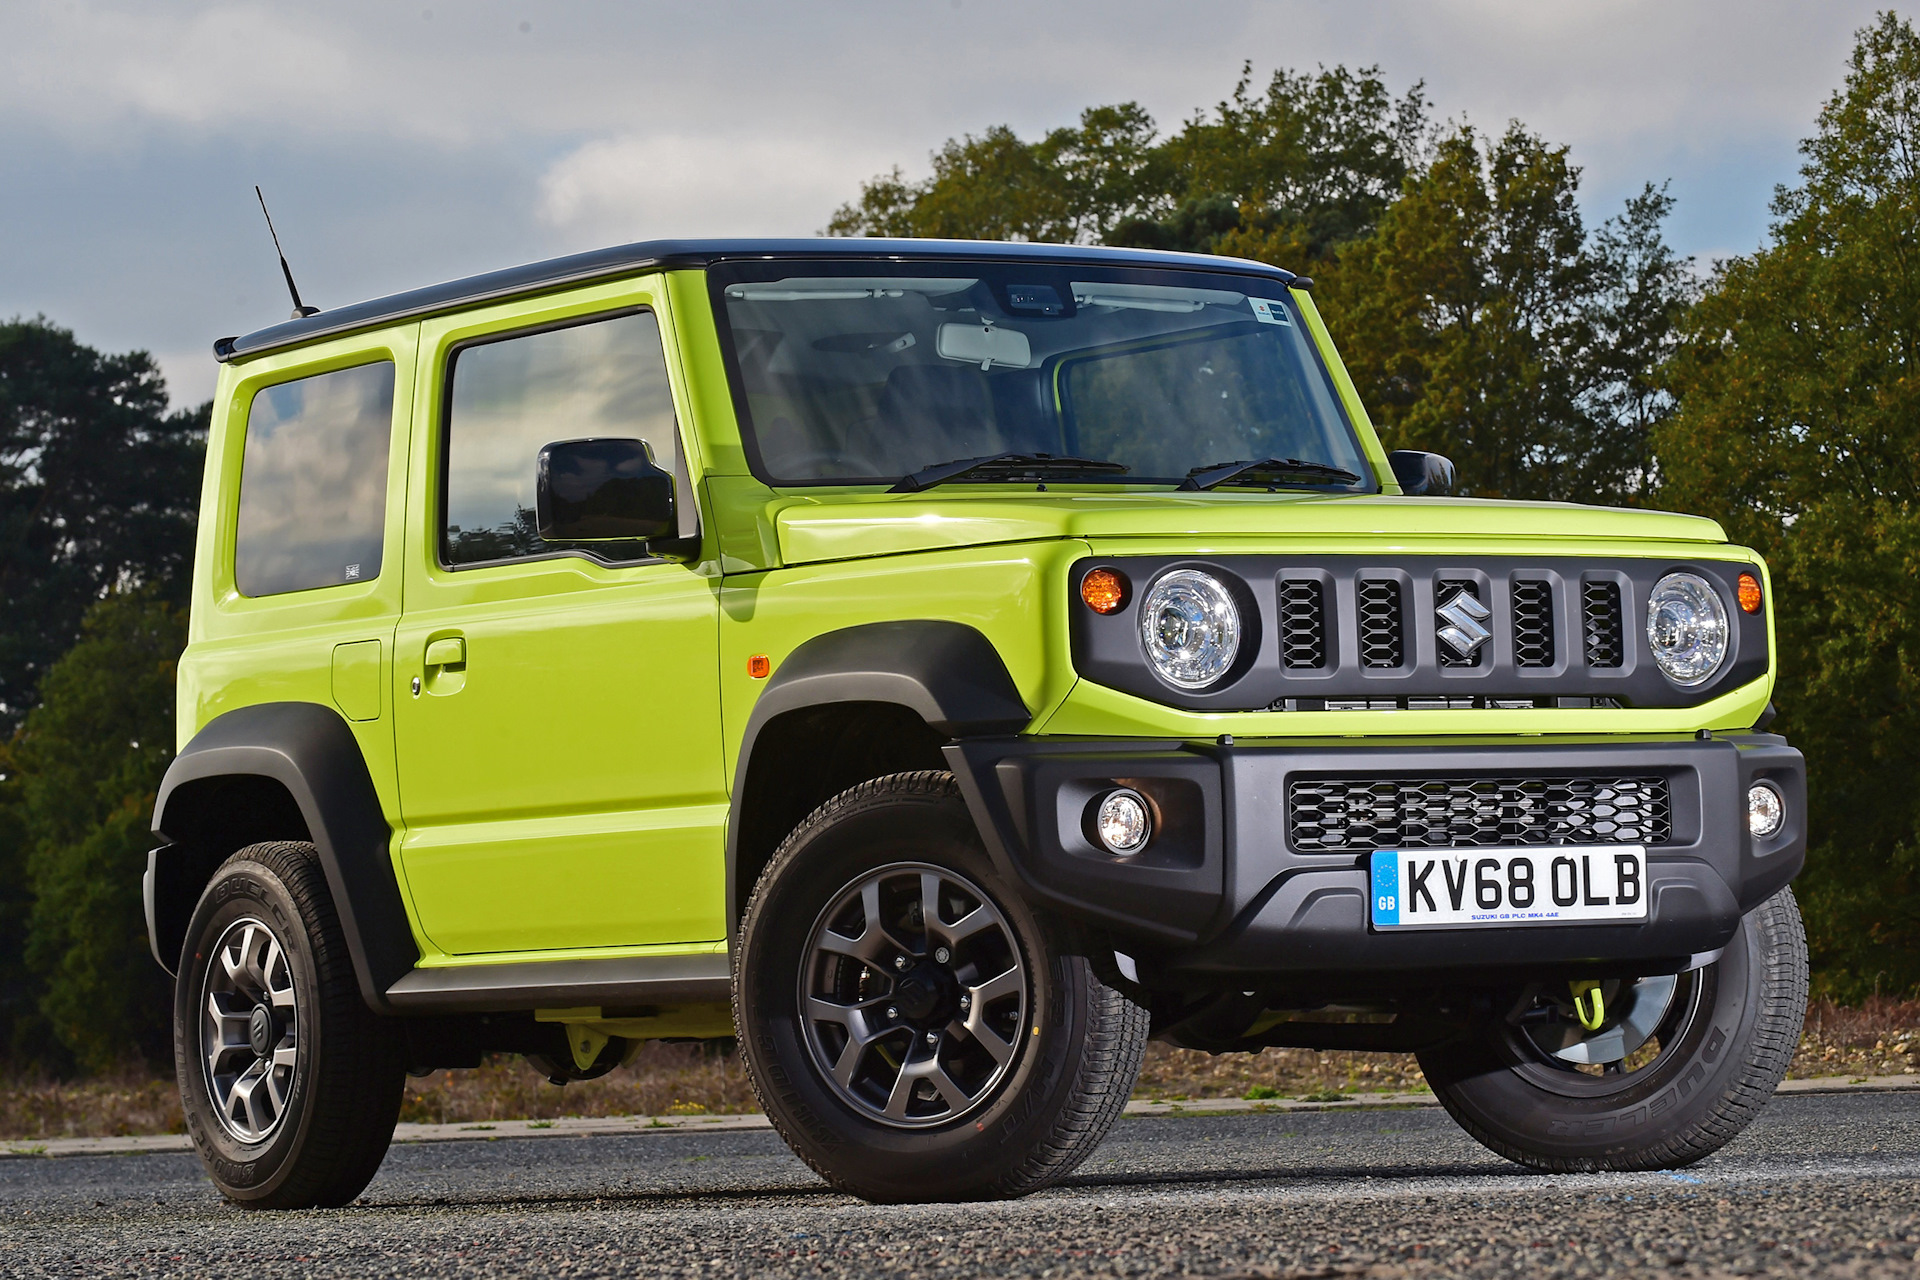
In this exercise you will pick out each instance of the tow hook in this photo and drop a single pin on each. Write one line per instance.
(1588, 1004)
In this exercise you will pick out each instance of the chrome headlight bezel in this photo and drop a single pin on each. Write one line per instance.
(1203, 603)
(1687, 611)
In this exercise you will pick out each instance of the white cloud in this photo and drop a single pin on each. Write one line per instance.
(643, 187)
(400, 148)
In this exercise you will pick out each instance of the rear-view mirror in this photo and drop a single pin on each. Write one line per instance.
(602, 491)
(977, 344)
(1426, 475)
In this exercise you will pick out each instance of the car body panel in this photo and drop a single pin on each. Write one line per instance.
(555, 803)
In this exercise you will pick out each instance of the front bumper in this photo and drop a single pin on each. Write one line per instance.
(1225, 888)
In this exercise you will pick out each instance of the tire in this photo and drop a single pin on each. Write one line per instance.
(1721, 1042)
(298, 1109)
(1018, 1085)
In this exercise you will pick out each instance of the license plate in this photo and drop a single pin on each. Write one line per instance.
(1415, 888)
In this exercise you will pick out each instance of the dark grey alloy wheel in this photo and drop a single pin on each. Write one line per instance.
(1678, 1067)
(250, 1029)
(913, 1027)
(290, 1084)
(914, 995)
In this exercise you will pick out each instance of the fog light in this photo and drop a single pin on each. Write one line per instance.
(1122, 823)
(1766, 810)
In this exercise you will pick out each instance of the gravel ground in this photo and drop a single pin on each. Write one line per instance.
(1818, 1186)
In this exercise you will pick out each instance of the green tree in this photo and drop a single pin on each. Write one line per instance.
(99, 486)
(1481, 320)
(1800, 431)
(1291, 172)
(84, 769)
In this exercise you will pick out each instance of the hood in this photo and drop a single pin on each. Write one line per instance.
(846, 526)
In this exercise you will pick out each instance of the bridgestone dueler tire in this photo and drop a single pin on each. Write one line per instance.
(349, 1073)
(1688, 1103)
(1073, 1074)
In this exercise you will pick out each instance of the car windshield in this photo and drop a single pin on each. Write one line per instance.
(863, 372)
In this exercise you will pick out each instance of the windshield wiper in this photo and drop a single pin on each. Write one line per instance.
(1267, 471)
(1008, 466)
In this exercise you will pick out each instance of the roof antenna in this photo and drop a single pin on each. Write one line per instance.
(300, 309)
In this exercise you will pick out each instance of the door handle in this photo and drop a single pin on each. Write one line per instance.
(450, 652)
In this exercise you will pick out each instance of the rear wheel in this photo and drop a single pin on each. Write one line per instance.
(290, 1084)
(914, 1030)
(1676, 1068)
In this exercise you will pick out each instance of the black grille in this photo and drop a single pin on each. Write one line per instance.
(1303, 623)
(1382, 639)
(1444, 591)
(1532, 624)
(1600, 605)
(1386, 813)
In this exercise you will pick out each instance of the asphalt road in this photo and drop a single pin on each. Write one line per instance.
(1824, 1185)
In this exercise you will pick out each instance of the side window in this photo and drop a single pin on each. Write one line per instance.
(313, 482)
(512, 397)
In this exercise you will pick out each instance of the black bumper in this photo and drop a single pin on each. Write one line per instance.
(1224, 887)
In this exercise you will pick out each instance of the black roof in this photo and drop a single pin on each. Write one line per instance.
(647, 255)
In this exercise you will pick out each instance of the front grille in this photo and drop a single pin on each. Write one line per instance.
(1602, 624)
(1532, 623)
(1303, 623)
(1390, 813)
(1382, 638)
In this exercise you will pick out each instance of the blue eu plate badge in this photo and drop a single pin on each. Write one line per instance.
(1386, 888)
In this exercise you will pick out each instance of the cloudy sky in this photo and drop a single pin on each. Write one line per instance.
(402, 143)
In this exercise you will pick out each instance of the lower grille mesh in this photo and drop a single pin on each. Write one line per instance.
(1388, 813)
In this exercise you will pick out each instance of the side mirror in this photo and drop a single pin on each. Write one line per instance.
(1427, 475)
(602, 491)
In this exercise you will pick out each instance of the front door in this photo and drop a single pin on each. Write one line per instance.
(560, 765)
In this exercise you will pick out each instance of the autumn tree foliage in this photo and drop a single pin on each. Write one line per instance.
(1799, 429)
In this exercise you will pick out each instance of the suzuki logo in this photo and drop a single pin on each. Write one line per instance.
(1464, 615)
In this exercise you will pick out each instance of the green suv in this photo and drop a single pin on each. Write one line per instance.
(943, 667)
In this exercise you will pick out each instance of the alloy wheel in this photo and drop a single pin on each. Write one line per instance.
(913, 995)
(249, 1030)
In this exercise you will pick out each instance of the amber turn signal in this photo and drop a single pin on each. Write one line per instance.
(759, 666)
(1748, 589)
(1103, 590)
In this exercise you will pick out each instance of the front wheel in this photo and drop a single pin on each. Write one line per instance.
(1677, 1066)
(914, 1030)
(290, 1084)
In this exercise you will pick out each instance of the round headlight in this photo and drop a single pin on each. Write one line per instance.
(1765, 810)
(1686, 628)
(1190, 628)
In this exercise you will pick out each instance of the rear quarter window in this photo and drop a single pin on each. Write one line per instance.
(313, 482)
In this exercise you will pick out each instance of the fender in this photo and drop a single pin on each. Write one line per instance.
(311, 753)
(946, 673)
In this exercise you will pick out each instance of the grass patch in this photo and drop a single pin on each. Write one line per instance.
(1879, 1037)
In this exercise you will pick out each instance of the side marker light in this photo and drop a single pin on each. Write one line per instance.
(759, 666)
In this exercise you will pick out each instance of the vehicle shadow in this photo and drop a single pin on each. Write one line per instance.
(815, 1192)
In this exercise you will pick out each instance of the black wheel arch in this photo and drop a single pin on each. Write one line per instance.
(280, 771)
(851, 705)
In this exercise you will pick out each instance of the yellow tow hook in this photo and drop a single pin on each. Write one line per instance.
(1589, 1004)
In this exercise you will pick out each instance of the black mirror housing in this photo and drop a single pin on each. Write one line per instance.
(603, 491)
(1426, 475)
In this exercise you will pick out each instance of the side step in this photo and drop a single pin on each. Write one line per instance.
(546, 984)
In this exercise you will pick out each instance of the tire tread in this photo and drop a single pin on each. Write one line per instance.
(1782, 956)
(357, 1083)
(1116, 1033)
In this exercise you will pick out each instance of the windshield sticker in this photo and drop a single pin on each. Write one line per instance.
(1268, 312)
